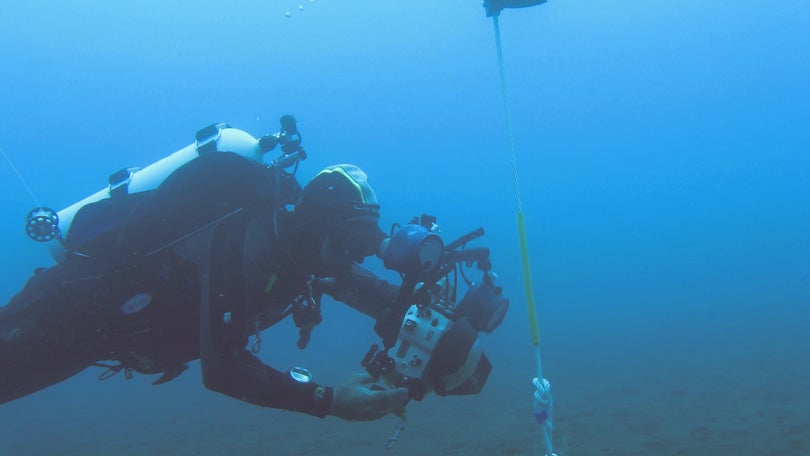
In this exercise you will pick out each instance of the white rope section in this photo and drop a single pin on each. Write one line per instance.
(508, 116)
(19, 176)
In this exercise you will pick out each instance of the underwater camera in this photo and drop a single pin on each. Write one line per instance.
(431, 341)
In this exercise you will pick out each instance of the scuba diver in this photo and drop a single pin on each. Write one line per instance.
(131, 295)
(214, 250)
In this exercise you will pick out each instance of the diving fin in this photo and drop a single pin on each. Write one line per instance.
(171, 373)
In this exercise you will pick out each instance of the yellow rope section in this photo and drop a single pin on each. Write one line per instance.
(527, 279)
(524, 247)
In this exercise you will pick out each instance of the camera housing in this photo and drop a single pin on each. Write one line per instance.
(432, 341)
(434, 353)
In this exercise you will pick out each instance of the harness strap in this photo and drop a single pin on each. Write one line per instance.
(113, 369)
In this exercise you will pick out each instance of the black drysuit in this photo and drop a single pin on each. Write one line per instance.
(190, 270)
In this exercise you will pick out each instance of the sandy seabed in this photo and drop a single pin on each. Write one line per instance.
(651, 402)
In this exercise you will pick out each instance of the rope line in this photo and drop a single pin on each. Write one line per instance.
(507, 114)
(542, 401)
(19, 176)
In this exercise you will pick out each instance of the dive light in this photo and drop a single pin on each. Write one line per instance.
(414, 251)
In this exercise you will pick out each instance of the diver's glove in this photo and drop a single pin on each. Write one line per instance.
(359, 400)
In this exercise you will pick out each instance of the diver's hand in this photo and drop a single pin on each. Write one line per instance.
(356, 401)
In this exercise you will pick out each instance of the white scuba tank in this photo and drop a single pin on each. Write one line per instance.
(214, 138)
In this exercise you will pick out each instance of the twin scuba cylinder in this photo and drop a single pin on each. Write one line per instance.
(54, 228)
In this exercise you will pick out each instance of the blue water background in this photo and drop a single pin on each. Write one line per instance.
(663, 149)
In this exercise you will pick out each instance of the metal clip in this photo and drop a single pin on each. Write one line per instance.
(310, 300)
(389, 444)
(256, 347)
